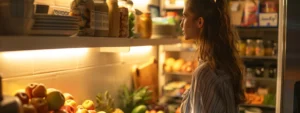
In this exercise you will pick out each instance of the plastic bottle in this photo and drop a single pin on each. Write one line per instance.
(114, 18)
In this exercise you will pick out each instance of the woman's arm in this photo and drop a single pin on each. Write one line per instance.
(212, 93)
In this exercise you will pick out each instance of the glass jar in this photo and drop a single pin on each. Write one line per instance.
(145, 25)
(250, 82)
(259, 71)
(124, 19)
(275, 49)
(242, 47)
(272, 71)
(114, 18)
(101, 22)
(250, 48)
(269, 48)
(259, 48)
(269, 7)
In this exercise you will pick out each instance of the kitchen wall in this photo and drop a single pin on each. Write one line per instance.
(82, 72)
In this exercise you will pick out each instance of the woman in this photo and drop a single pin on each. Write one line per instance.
(217, 82)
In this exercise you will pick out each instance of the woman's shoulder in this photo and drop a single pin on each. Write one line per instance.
(204, 72)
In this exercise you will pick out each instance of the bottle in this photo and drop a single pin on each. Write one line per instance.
(101, 21)
(250, 51)
(145, 25)
(131, 18)
(259, 49)
(114, 18)
(124, 23)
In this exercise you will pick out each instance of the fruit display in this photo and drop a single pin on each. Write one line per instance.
(36, 98)
(254, 98)
(179, 65)
(176, 89)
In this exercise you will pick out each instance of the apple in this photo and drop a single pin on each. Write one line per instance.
(82, 111)
(24, 98)
(40, 105)
(80, 107)
(29, 89)
(49, 90)
(60, 111)
(152, 111)
(71, 103)
(69, 109)
(29, 108)
(39, 91)
(160, 112)
(68, 96)
(55, 100)
(92, 111)
(101, 112)
(88, 104)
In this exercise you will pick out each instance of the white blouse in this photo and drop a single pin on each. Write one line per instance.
(210, 92)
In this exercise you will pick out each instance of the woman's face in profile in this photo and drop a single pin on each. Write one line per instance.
(190, 25)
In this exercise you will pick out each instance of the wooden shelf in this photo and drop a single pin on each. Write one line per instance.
(179, 73)
(17, 43)
(273, 29)
(260, 106)
(260, 57)
(265, 79)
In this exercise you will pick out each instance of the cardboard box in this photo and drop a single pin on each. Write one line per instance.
(268, 19)
(236, 9)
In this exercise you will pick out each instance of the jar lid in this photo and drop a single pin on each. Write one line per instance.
(259, 41)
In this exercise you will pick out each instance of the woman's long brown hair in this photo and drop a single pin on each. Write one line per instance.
(217, 43)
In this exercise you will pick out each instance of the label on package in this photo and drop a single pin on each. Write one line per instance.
(101, 21)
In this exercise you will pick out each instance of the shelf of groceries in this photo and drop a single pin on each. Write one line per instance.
(17, 43)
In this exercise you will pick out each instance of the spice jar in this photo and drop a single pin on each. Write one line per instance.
(101, 22)
(124, 20)
(269, 48)
(145, 25)
(259, 48)
(242, 47)
(114, 18)
(272, 71)
(250, 48)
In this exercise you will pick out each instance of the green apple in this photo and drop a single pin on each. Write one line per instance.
(55, 100)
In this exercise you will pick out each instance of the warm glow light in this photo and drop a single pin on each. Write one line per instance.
(140, 49)
(51, 53)
(137, 50)
(179, 3)
(141, 2)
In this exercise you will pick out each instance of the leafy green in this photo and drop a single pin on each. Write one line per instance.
(132, 98)
(105, 102)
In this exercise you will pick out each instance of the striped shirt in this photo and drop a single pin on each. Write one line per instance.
(210, 92)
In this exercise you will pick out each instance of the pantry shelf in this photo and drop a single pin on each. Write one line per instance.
(260, 106)
(260, 57)
(179, 73)
(18, 43)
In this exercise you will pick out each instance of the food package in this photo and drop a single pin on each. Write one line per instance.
(251, 12)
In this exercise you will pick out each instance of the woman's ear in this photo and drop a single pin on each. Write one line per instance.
(200, 22)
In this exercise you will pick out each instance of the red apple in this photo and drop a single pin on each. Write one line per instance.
(24, 98)
(28, 108)
(40, 105)
(71, 103)
(68, 96)
(69, 109)
(88, 104)
(59, 111)
(39, 91)
(29, 89)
